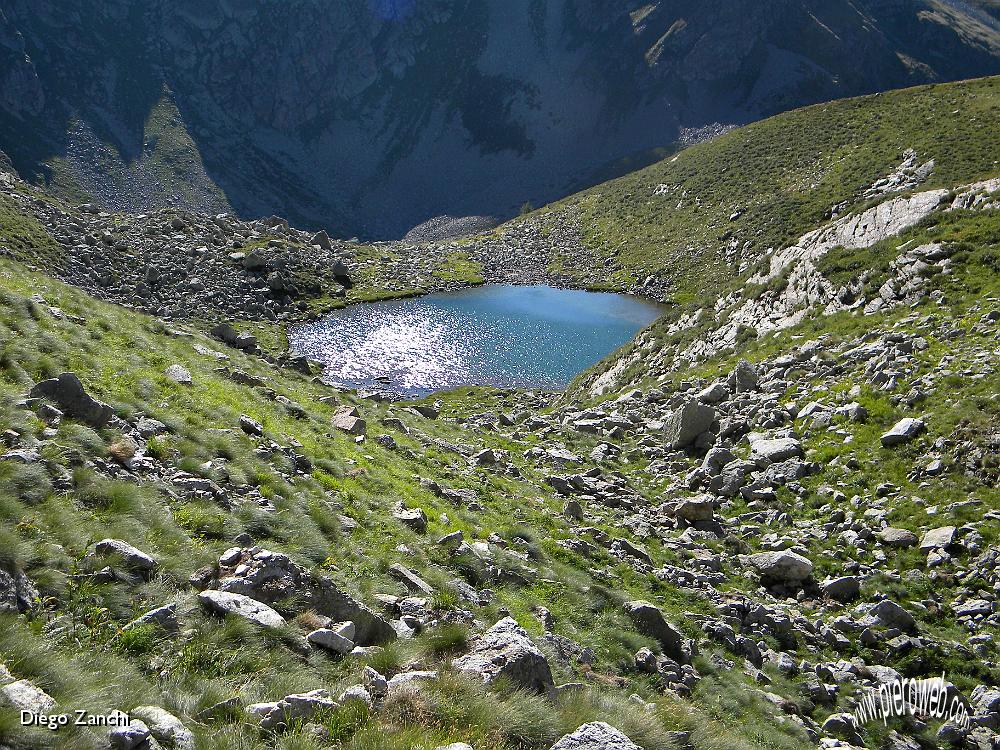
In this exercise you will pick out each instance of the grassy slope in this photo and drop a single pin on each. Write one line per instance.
(783, 175)
(84, 661)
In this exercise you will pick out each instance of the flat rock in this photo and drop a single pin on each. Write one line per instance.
(347, 419)
(903, 432)
(774, 449)
(893, 537)
(332, 640)
(940, 538)
(178, 374)
(223, 603)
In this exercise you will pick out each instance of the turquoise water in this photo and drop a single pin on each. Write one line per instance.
(504, 336)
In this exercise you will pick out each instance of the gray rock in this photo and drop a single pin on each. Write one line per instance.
(686, 423)
(940, 538)
(179, 374)
(649, 620)
(348, 419)
(17, 592)
(375, 682)
(784, 567)
(410, 680)
(273, 578)
(902, 432)
(743, 378)
(891, 615)
(415, 518)
(893, 537)
(774, 449)
(596, 735)
(165, 617)
(332, 640)
(714, 393)
(843, 589)
(296, 707)
(131, 558)
(695, 509)
(505, 650)
(411, 580)
(224, 603)
(165, 727)
(68, 392)
(129, 737)
(251, 426)
(25, 696)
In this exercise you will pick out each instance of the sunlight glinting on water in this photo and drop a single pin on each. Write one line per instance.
(501, 336)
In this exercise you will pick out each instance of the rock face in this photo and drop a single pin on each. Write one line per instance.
(273, 578)
(505, 650)
(67, 391)
(595, 736)
(649, 621)
(223, 603)
(540, 112)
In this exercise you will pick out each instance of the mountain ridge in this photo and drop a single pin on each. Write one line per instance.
(431, 97)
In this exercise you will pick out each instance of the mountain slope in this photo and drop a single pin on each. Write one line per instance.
(709, 542)
(705, 218)
(362, 116)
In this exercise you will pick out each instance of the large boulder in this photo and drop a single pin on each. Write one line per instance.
(687, 422)
(273, 578)
(649, 620)
(506, 651)
(782, 567)
(348, 419)
(902, 432)
(595, 736)
(224, 603)
(68, 392)
(132, 558)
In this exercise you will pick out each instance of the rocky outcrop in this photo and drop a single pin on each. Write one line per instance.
(272, 578)
(68, 392)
